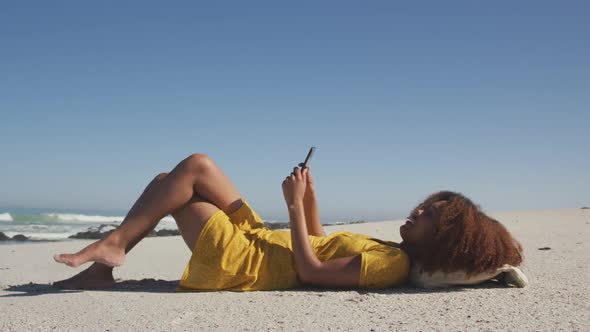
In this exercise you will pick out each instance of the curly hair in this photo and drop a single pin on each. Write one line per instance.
(465, 238)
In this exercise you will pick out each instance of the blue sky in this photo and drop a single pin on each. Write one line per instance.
(488, 99)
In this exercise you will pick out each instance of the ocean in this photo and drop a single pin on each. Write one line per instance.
(52, 225)
(58, 225)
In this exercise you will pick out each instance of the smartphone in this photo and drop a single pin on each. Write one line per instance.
(308, 158)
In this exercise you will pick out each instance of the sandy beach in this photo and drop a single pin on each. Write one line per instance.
(558, 297)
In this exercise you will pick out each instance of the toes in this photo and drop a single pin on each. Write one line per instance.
(60, 258)
(67, 259)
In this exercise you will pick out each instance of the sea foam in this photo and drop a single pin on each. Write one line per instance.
(58, 226)
(71, 217)
(5, 217)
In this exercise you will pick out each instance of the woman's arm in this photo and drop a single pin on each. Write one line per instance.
(340, 272)
(312, 215)
(310, 205)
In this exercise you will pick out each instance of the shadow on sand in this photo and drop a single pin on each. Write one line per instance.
(143, 285)
(170, 286)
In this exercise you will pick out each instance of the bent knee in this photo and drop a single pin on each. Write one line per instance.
(161, 176)
(198, 162)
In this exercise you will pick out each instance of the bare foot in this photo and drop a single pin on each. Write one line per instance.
(96, 276)
(100, 251)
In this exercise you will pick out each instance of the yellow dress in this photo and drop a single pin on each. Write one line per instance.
(237, 252)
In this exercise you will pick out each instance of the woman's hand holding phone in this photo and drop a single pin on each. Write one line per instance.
(299, 186)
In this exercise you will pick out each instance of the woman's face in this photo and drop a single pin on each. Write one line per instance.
(419, 227)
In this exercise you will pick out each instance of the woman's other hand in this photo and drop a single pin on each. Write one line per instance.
(310, 189)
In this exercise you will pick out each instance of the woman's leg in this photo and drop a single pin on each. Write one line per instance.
(195, 175)
(99, 275)
(190, 218)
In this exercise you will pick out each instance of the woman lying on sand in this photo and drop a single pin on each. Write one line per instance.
(446, 235)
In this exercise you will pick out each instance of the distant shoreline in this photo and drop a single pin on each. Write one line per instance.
(83, 229)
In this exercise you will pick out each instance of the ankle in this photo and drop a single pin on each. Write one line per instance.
(114, 240)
